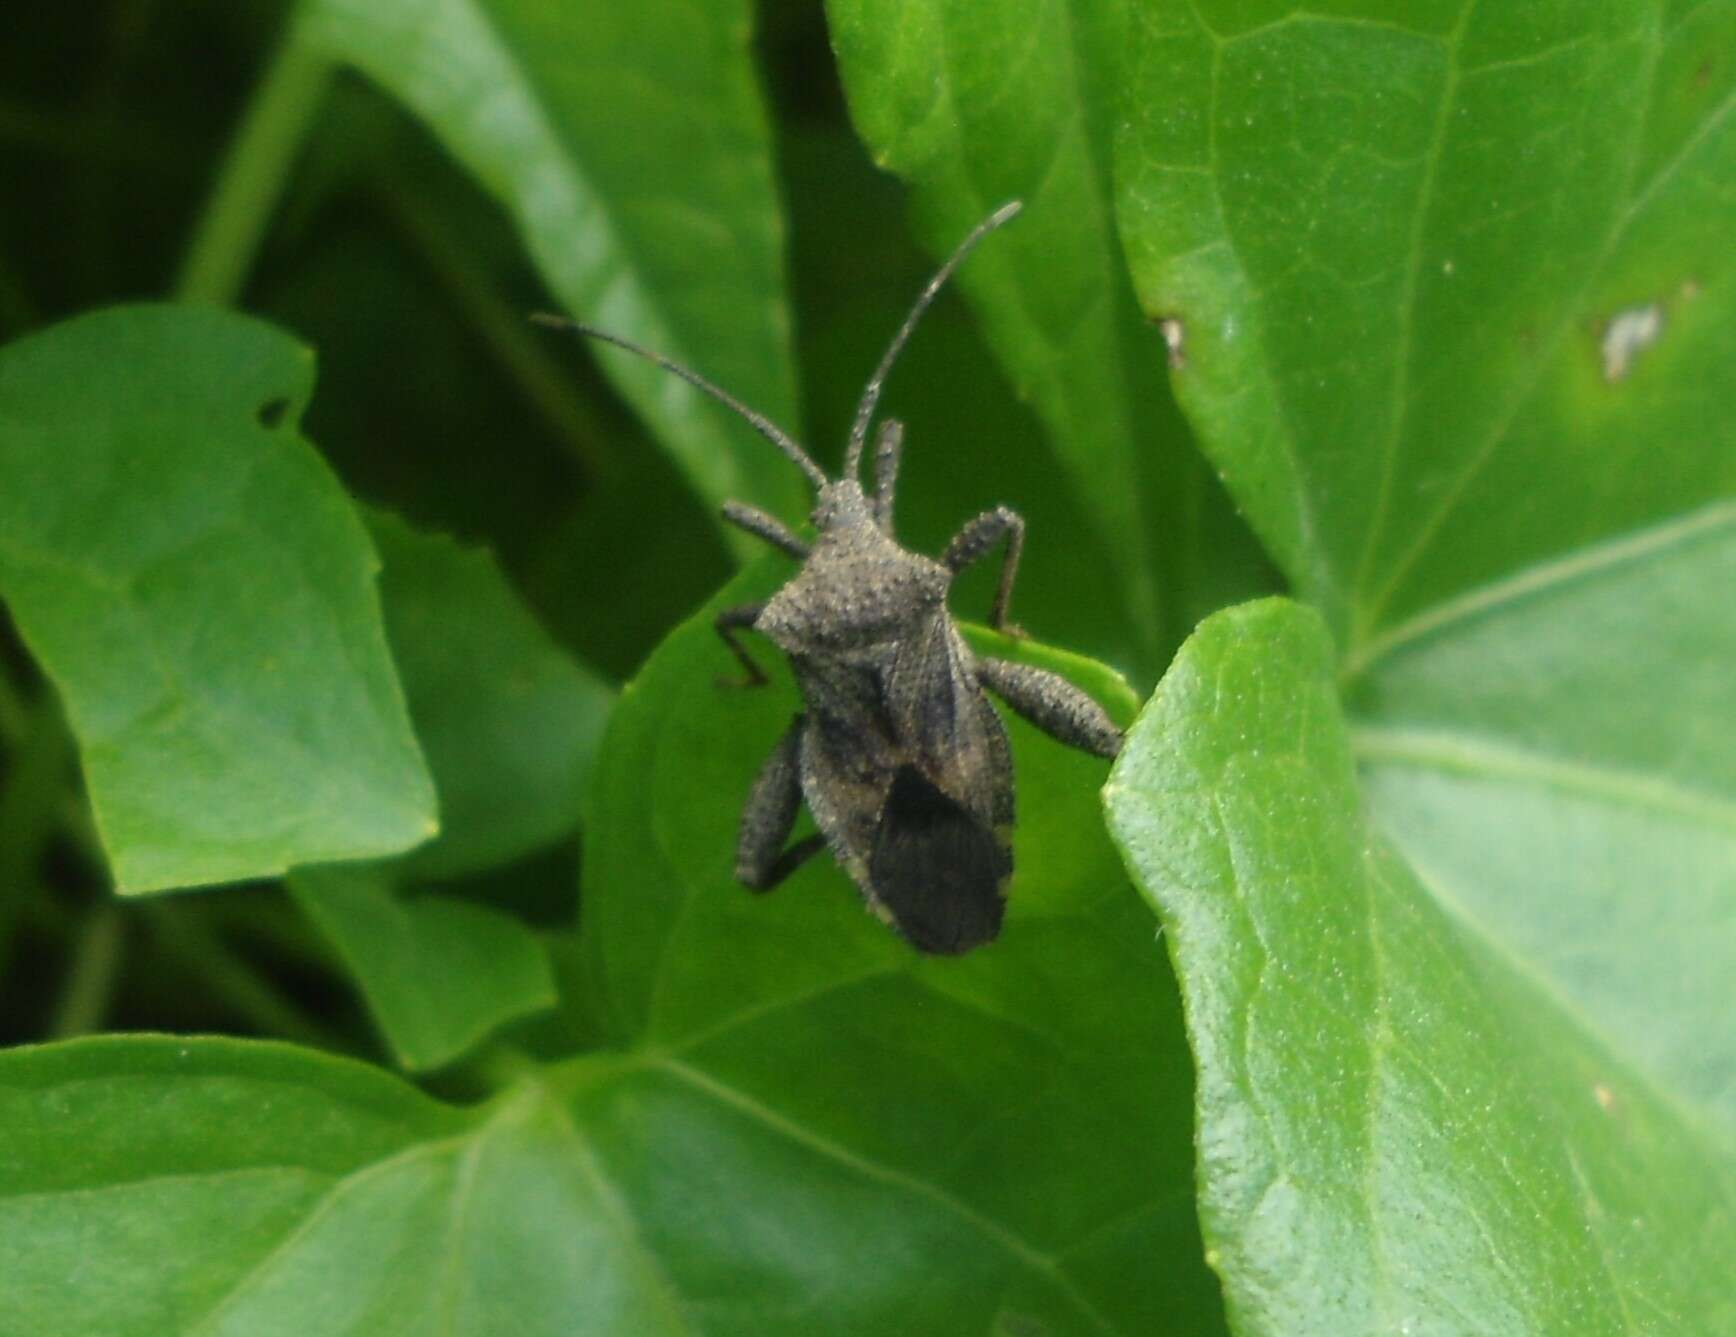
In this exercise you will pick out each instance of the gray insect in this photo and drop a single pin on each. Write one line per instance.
(903, 762)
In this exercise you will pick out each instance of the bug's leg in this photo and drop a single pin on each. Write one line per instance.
(766, 527)
(975, 539)
(761, 861)
(888, 453)
(730, 621)
(1053, 704)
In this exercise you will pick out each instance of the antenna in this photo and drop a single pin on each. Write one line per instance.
(758, 421)
(871, 394)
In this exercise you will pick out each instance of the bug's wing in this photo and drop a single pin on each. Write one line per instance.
(926, 863)
(926, 836)
(945, 726)
(936, 869)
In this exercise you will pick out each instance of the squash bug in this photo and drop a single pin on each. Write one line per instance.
(901, 759)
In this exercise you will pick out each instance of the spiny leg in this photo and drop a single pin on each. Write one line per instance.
(767, 527)
(1053, 704)
(888, 453)
(730, 621)
(975, 539)
(761, 861)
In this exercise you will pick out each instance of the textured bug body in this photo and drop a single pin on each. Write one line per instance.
(898, 753)
(903, 763)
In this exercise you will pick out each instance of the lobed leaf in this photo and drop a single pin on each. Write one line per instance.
(199, 589)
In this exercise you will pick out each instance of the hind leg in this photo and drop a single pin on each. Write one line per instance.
(1053, 704)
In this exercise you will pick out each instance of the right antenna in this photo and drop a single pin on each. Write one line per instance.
(871, 393)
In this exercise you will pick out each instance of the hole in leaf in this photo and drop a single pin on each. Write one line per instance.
(271, 413)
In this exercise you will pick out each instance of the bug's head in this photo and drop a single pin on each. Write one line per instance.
(839, 503)
(833, 497)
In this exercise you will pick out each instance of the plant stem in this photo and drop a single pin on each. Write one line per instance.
(252, 177)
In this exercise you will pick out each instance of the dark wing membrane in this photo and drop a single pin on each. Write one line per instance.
(936, 869)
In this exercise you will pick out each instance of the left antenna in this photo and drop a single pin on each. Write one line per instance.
(758, 421)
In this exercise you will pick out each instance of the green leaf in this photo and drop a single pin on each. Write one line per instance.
(237, 1190)
(226, 1188)
(802, 1069)
(976, 105)
(1402, 1126)
(219, 1187)
(439, 973)
(630, 146)
(1552, 756)
(1453, 311)
(510, 722)
(200, 591)
(511, 725)
(1432, 262)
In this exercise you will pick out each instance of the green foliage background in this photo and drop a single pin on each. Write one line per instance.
(1420, 313)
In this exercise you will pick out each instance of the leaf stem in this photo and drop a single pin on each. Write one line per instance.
(252, 176)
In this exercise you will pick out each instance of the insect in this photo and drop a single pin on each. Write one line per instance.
(903, 762)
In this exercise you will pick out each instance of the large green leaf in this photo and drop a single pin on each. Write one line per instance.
(804, 1126)
(1403, 1127)
(1021, 1109)
(1452, 280)
(214, 1188)
(977, 104)
(199, 589)
(630, 146)
(1449, 300)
